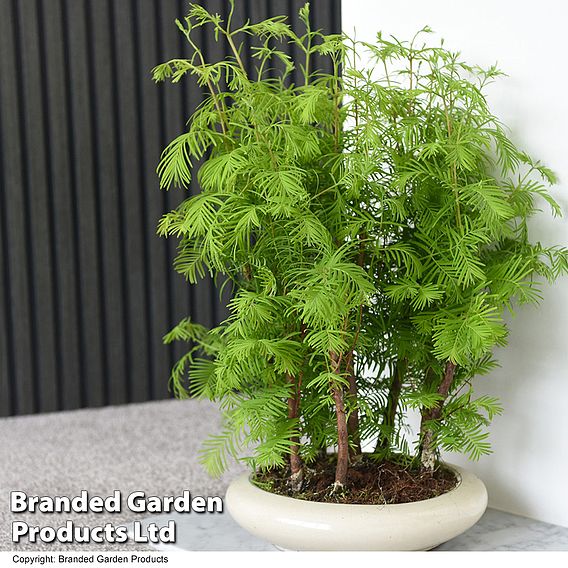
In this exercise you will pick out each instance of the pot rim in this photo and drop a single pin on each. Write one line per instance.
(458, 471)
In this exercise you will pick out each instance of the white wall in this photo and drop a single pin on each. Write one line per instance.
(528, 472)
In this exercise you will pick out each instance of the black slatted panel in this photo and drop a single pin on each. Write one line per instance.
(86, 288)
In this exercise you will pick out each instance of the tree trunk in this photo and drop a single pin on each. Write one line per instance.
(296, 465)
(353, 420)
(342, 432)
(427, 448)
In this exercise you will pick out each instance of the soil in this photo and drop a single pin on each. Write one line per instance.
(369, 482)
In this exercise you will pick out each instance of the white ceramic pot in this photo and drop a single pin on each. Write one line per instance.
(294, 524)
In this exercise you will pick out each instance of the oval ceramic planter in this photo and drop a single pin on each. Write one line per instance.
(295, 524)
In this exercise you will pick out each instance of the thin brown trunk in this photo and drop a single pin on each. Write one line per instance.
(342, 438)
(342, 432)
(427, 449)
(353, 420)
(296, 465)
(445, 385)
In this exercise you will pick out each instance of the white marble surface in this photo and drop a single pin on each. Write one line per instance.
(502, 531)
(495, 531)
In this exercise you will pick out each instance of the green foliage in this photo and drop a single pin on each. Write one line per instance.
(372, 224)
(462, 193)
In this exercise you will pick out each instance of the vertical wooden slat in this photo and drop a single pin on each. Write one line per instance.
(152, 132)
(135, 236)
(85, 165)
(7, 374)
(105, 132)
(14, 214)
(56, 88)
(143, 381)
(36, 186)
(53, 381)
(31, 233)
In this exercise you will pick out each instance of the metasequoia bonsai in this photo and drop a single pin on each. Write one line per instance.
(371, 222)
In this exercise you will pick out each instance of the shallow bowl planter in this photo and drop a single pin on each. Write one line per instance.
(295, 524)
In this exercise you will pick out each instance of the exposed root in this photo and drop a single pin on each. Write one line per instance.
(427, 454)
(296, 481)
(337, 487)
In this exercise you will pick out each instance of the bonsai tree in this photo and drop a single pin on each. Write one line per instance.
(373, 230)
